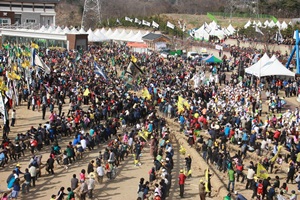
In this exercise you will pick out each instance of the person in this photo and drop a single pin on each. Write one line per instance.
(231, 178)
(74, 182)
(250, 177)
(71, 195)
(27, 179)
(90, 167)
(61, 194)
(181, 181)
(227, 197)
(91, 186)
(13, 118)
(33, 172)
(239, 196)
(83, 190)
(293, 195)
(188, 164)
(16, 189)
(4, 196)
(271, 193)
(202, 192)
(50, 165)
(100, 173)
(53, 197)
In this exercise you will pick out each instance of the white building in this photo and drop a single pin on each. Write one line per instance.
(39, 12)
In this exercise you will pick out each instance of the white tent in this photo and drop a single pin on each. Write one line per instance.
(103, 31)
(50, 29)
(122, 35)
(92, 37)
(43, 28)
(66, 30)
(74, 31)
(58, 30)
(275, 68)
(201, 33)
(256, 68)
(115, 35)
(290, 23)
(138, 37)
(128, 36)
(266, 23)
(101, 37)
(82, 31)
(259, 24)
(284, 25)
(213, 24)
(278, 24)
(218, 33)
(271, 24)
(108, 33)
(247, 24)
(231, 29)
(254, 22)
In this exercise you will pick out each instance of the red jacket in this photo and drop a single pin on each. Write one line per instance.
(181, 179)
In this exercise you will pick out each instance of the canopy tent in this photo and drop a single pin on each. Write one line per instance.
(138, 37)
(101, 37)
(212, 59)
(128, 36)
(103, 31)
(266, 23)
(66, 30)
(213, 24)
(231, 29)
(82, 31)
(108, 33)
(58, 30)
(122, 35)
(137, 45)
(201, 33)
(247, 24)
(217, 32)
(284, 25)
(278, 24)
(271, 24)
(256, 68)
(115, 35)
(259, 24)
(74, 31)
(50, 29)
(43, 28)
(275, 68)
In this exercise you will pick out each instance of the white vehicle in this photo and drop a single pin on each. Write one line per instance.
(192, 55)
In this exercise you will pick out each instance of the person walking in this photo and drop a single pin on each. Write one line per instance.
(13, 118)
(91, 186)
(181, 181)
(50, 165)
(32, 171)
(74, 182)
(83, 190)
(188, 164)
(100, 173)
(202, 192)
(231, 178)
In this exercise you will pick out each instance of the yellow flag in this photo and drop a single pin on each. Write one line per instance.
(146, 94)
(206, 180)
(276, 155)
(261, 172)
(86, 92)
(182, 104)
(133, 59)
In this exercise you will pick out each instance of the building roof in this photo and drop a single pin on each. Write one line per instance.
(32, 1)
(152, 36)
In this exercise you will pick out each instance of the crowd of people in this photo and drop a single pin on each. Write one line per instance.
(216, 110)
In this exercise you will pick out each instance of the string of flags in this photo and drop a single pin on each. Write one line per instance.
(154, 24)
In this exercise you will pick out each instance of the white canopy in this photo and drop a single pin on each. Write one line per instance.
(108, 33)
(50, 29)
(231, 29)
(58, 30)
(66, 30)
(271, 24)
(101, 37)
(256, 68)
(92, 37)
(128, 36)
(43, 28)
(247, 24)
(259, 24)
(201, 33)
(275, 68)
(278, 24)
(82, 31)
(284, 25)
(137, 37)
(74, 31)
(115, 35)
(266, 23)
